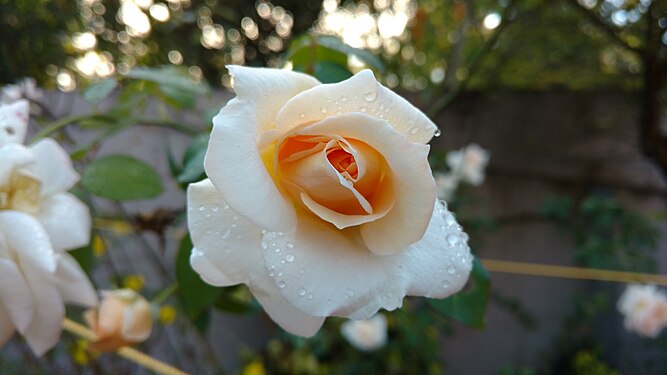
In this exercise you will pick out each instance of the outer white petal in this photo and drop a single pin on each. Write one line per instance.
(28, 239)
(66, 220)
(410, 175)
(228, 252)
(14, 122)
(137, 322)
(15, 295)
(324, 271)
(13, 156)
(6, 326)
(72, 282)
(360, 93)
(268, 90)
(234, 165)
(53, 167)
(46, 325)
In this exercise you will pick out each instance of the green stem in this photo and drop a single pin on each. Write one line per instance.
(164, 294)
(168, 125)
(57, 125)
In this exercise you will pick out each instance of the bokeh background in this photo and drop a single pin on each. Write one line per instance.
(567, 96)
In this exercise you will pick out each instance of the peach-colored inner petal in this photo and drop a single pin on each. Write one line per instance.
(339, 174)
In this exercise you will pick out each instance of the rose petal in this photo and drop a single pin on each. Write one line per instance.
(268, 90)
(13, 156)
(234, 165)
(228, 252)
(6, 326)
(409, 173)
(72, 282)
(137, 323)
(53, 167)
(324, 271)
(28, 239)
(66, 220)
(14, 122)
(360, 93)
(15, 295)
(46, 325)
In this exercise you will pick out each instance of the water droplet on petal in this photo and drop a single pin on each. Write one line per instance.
(414, 130)
(302, 115)
(215, 208)
(437, 133)
(451, 269)
(310, 296)
(290, 245)
(225, 234)
(452, 239)
(289, 258)
(278, 250)
(363, 109)
(302, 292)
(202, 208)
(281, 285)
(445, 284)
(371, 96)
(323, 109)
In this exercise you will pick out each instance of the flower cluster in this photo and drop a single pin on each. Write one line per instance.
(39, 221)
(320, 198)
(465, 165)
(644, 308)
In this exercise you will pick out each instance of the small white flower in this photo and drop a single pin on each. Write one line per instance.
(367, 334)
(469, 163)
(644, 308)
(39, 220)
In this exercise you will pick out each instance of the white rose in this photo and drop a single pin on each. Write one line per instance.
(644, 308)
(39, 220)
(469, 163)
(367, 334)
(322, 201)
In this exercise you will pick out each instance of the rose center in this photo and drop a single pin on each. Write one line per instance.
(21, 193)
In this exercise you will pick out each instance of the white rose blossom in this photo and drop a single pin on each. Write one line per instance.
(39, 220)
(644, 308)
(320, 198)
(25, 88)
(367, 334)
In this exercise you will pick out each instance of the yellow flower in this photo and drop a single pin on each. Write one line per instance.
(167, 314)
(254, 368)
(134, 282)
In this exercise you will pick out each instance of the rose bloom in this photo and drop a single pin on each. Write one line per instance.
(644, 308)
(122, 318)
(469, 163)
(39, 220)
(367, 334)
(320, 198)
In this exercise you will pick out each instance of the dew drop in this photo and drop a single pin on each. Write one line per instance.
(207, 215)
(225, 207)
(302, 292)
(445, 284)
(280, 273)
(202, 208)
(226, 233)
(272, 273)
(452, 239)
(370, 96)
(437, 133)
(323, 109)
(289, 258)
(363, 109)
(227, 249)
(290, 245)
(310, 296)
(414, 130)
(215, 208)
(278, 250)
(302, 115)
(451, 269)
(281, 285)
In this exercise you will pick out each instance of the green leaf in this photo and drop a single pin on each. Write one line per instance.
(197, 296)
(330, 72)
(193, 160)
(308, 50)
(468, 307)
(169, 76)
(99, 90)
(121, 177)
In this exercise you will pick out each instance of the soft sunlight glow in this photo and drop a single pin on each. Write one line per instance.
(66, 81)
(135, 20)
(213, 37)
(160, 12)
(84, 41)
(491, 21)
